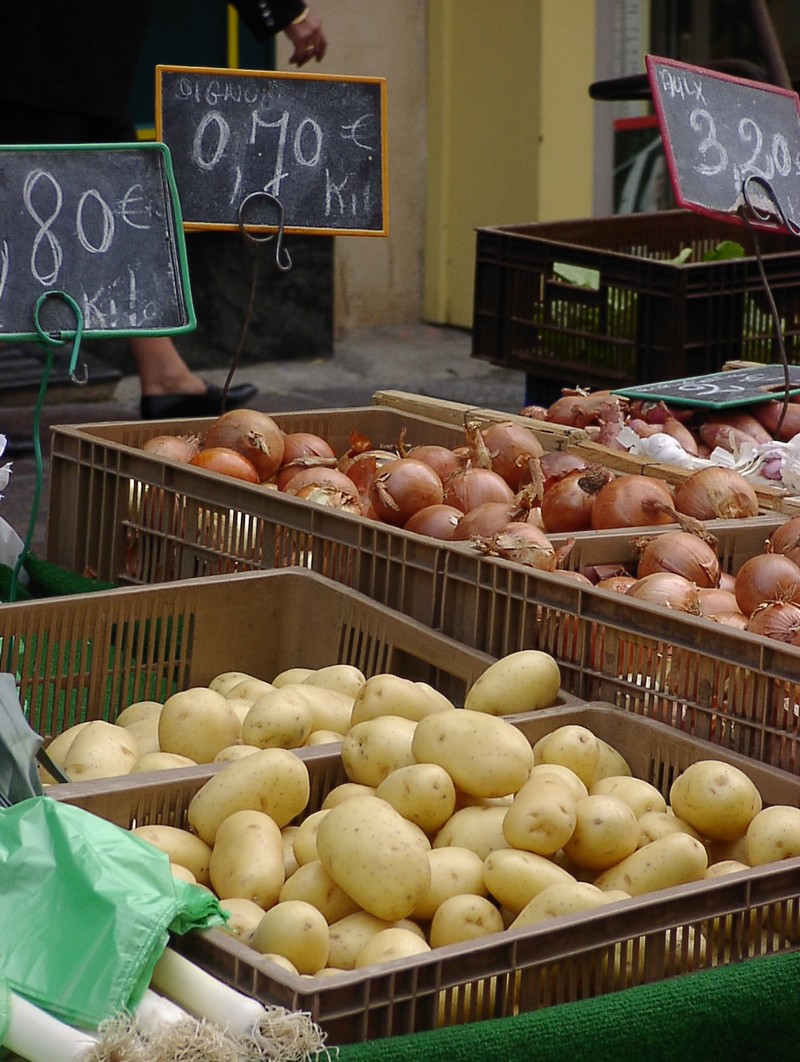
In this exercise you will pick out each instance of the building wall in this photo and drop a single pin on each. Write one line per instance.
(489, 122)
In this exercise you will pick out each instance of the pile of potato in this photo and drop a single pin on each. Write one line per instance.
(452, 826)
(237, 714)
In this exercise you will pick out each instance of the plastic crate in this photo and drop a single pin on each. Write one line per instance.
(649, 319)
(89, 656)
(644, 939)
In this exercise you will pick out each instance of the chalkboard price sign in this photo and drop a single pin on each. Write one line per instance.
(718, 131)
(98, 224)
(721, 390)
(314, 143)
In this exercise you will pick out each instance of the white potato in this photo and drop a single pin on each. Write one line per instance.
(330, 709)
(388, 694)
(247, 858)
(542, 816)
(561, 898)
(138, 710)
(312, 883)
(655, 824)
(519, 682)
(249, 689)
(161, 761)
(773, 834)
(641, 796)
(296, 930)
(389, 944)
(278, 719)
(454, 871)
(197, 723)
(514, 877)
(180, 845)
(675, 859)
(479, 828)
(144, 732)
(323, 737)
(342, 678)
(235, 752)
(716, 798)
(292, 675)
(226, 680)
(100, 750)
(577, 787)
(573, 746)
(423, 793)
(57, 749)
(606, 831)
(349, 935)
(610, 762)
(304, 843)
(244, 917)
(346, 790)
(462, 918)
(375, 747)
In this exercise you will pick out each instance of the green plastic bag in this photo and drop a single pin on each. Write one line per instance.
(86, 909)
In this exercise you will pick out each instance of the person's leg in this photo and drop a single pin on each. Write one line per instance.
(162, 370)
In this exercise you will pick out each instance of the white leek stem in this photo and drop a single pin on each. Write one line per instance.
(155, 1011)
(205, 995)
(39, 1037)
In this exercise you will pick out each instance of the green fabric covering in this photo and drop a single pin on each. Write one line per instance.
(86, 909)
(48, 580)
(5, 1009)
(747, 1010)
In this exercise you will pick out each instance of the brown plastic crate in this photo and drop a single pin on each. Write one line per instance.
(649, 319)
(635, 941)
(88, 656)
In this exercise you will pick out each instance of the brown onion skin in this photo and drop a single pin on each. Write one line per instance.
(714, 601)
(619, 584)
(716, 493)
(766, 577)
(568, 503)
(768, 414)
(437, 521)
(779, 620)
(180, 448)
(473, 486)
(225, 461)
(364, 467)
(484, 519)
(252, 433)
(786, 539)
(668, 590)
(626, 501)
(511, 447)
(522, 543)
(323, 477)
(556, 463)
(298, 444)
(442, 460)
(683, 553)
(402, 488)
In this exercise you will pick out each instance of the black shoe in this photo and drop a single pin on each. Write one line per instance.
(208, 404)
(19, 446)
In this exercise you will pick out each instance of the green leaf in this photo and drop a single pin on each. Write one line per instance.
(683, 256)
(723, 251)
(580, 277)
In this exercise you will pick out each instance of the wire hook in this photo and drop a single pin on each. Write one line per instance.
(762, 215)
(50, 339)
(282, 258)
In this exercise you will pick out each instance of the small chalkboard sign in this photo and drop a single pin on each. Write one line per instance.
(315, 143)
(718, 131)
(721, 390)
(100, 224)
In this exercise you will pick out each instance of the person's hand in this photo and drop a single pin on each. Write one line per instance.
(308, 40)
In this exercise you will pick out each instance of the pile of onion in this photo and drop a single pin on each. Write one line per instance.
(253, 434)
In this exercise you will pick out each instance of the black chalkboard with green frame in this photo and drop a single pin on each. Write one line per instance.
(99, 225)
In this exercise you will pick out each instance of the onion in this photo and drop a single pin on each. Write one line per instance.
(567, 503)
(779, 620)
(442, 460)
(556, 463)
(575, 577)
(620, 584)
(319, 476)
(668, 590)
(714, 601)
(632, 501)
(181, 448)
(786, 539)
(766, 577)
(724, 436)
(332, 497)
(362, 468)
(511, 446)
(727, 581)
(735, 619)
(471, 487)
(522, 543)
(251, 433)
(769, 414)
(581, 410)
(744, 422)
(227, 462)
(716, 493)
(402, 488)
(438, 521)
(684, 554)
(672, 426)
(484, 520)
(303, 449)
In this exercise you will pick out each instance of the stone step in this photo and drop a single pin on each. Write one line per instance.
(22, 368)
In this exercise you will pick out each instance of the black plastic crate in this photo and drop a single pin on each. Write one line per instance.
(649, 318)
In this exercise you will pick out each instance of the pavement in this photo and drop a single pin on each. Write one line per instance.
(422, 359)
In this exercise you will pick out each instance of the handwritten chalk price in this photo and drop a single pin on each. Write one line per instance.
(719, 131)
(98, 224)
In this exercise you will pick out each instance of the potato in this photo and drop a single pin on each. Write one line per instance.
(542, 816)
(241, 706)
(519, 682)
(292, 676)
(244, 917)
(375, 855)
(297, 931)
(349, 935)
(454, 871)
(514, 877)
(290, 864)
(323, 737)
(274, 781)
(247, 858)
(423, 793)
(773, 834)
(344, 791)
(160, 761)
(479, 828)
(249, 689)
(304, 844)
(226, 680)
(145, 733)
(577, 787)
(58, 748)
(100, 750)
(138, 710)
(561, 898)
(716, 798)
(197, 723)
(181, 846)
(375, 747)
(341, 678)
(463, 918)
(573, 746)
(312, 883)
(638, 794)
(676, 859)
(484, 755)
(234, 752)
(610, 762)
(726, 866)
(655, 824)
(177, 871)
(387, 694)
(330, 709)
(278, 719)
(606, 831)
(389, 944)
